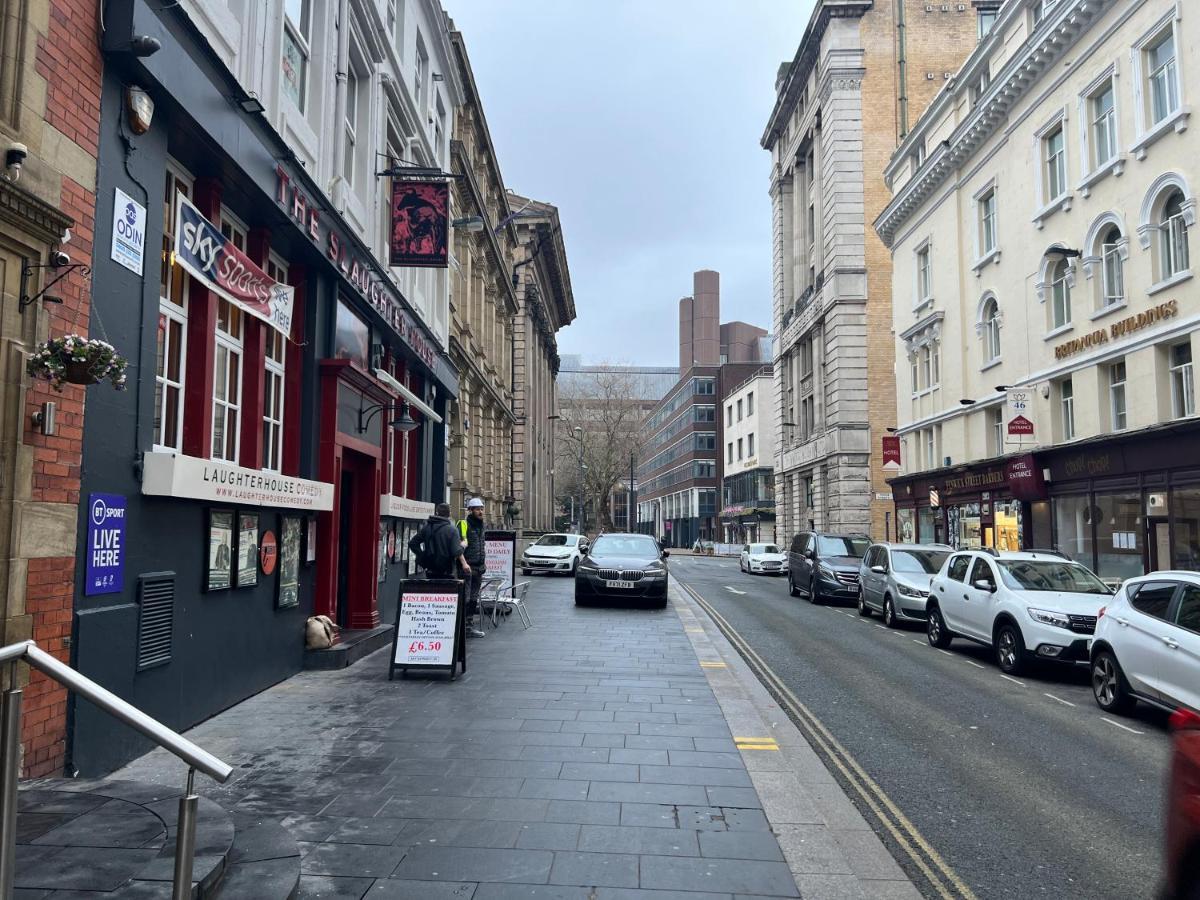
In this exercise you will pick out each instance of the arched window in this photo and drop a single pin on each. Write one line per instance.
(1112, 269)
(991, 330)
(1173, 237)
(1060, 289)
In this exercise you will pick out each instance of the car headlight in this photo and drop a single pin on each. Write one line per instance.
(586, 565)
(826, 571)
(1049, 617)
(906, 591)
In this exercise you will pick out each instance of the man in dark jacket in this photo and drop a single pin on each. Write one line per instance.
(471, 530)
(437, 547)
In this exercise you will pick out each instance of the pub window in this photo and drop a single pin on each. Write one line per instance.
(350, 126)
(227, 361)
(172, 324)
(296, 31)
(1118, 413)
(273, 364)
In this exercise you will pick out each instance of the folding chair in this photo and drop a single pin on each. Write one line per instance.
(489, 592)
(514, 598)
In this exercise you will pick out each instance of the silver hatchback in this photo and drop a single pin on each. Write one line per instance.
(894, 580)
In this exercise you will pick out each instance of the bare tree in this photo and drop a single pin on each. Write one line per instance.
(606, 404)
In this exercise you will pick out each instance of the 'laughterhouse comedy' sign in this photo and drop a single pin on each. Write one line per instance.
(220, 266)
(175, 475)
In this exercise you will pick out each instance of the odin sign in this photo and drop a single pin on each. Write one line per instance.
(105, 544)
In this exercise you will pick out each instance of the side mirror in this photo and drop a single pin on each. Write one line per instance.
(879, 570)
(808, 554)
(666, 553)
(983, 584)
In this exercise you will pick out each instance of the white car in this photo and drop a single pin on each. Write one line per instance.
(554, 553)
(1147, 644)
(763, 559)
(1037, 603)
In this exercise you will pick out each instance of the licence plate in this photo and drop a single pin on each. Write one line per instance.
(627, 585)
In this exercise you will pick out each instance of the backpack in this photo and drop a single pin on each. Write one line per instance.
(431, 554)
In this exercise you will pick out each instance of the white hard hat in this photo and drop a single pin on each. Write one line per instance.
(474, 503)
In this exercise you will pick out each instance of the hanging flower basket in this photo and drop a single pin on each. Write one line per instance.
(73, 359)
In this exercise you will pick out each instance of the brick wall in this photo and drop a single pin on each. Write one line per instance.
(68, 59)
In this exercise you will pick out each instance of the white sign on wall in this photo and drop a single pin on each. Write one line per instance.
(1018, 417)
(404, 508)
(128, 232)
(176, 475)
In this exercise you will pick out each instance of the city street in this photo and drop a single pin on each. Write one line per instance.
(1023, 786)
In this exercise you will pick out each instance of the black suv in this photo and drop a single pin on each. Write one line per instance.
(825, 566)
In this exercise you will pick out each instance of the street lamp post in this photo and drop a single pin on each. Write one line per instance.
(579, 434)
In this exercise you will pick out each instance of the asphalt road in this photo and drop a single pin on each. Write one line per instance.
(1024, 787)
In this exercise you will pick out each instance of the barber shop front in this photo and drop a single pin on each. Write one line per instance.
(1123, 505)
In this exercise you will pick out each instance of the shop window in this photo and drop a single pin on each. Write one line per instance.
(1185, 510)
(1119, 534)
(1183, 389)
(906, 526)
(1007, 524)
(1118, 416)
(351, 338)
(296, 49)
(172, 325)
(927, 525)
(969, 534)
(1073, 527)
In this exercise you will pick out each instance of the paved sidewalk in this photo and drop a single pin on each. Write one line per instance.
(584, 759)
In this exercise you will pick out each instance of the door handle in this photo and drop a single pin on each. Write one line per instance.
(1170, 643)
(965, 597)
(1122, 622)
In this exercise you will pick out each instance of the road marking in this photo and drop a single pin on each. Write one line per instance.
(971, 662)
(745, 743)
(1060, 700)
(733, 590)
(922, 643)
(704, 664)
(940, 650)
(1122, 727)
(694, 630)
(944, 880)
(877, 625)
(1013, 680)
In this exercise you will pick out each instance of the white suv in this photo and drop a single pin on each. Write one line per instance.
(1147, 644)
(1035, 603)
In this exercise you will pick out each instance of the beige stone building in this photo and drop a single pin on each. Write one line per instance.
(544, 305)
(1041, 233)
(863, 70)
(483, 308)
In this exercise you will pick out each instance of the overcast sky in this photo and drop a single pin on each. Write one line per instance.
(640, 120)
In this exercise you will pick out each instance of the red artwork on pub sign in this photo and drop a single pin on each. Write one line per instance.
(420, 223)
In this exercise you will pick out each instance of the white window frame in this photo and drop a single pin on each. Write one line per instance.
(1065, 283)
(1112, 256)
(301, 33)
(1066, 399)
(985, 253)
(991, 331)
(178, 314)
(275, 371)
(350, 126)
(1149, 131)
(1048, 205)
(1183, 383)
(1118, 410)
(996, 423)
(1095, 169)
(923, 275)
(233, 346)
(1174, 254)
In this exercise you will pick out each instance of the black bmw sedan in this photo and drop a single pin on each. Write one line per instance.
(623, 566)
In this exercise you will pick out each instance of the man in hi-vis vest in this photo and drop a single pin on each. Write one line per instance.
(471, 529)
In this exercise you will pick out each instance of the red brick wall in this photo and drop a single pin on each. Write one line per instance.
(68, 58)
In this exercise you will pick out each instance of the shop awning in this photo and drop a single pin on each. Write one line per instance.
(408, 395)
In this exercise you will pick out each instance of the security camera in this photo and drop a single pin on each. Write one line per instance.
(14, 157)
(59, 258)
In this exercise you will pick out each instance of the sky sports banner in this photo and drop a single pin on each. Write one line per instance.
(213, 259)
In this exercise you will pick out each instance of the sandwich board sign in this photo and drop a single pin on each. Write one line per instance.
(429, 631)
(501, 554)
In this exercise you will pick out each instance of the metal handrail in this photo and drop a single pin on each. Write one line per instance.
(10, 736)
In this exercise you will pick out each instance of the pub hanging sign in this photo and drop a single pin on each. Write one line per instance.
(420, 223)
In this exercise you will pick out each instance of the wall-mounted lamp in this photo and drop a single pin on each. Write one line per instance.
(143, 45)
(1058, 254)
(251, 104)
(405, 423)
(43, 419)
(966, 402)
(139, 107)
(1003, 387)
(892, 430)
(470, 223)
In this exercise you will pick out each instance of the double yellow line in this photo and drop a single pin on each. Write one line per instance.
(944, 880)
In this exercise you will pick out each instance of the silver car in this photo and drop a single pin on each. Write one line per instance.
(894, 580)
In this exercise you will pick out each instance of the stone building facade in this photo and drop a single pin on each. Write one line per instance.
(50, 72)
(1045, 252)
(483, 309)
(863, 70)
(544, 305)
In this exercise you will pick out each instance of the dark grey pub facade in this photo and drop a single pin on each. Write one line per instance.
(261, 477)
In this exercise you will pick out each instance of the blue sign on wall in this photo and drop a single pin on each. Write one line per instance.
(105, 544)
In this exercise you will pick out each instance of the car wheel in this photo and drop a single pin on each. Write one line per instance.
(889, 612)
(1108, 685)
(863, 609)
(936, 631)
(814, 595)
(575, 566)
(792, 590)
(580, 599)
(1010, 649)
(527, 572)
